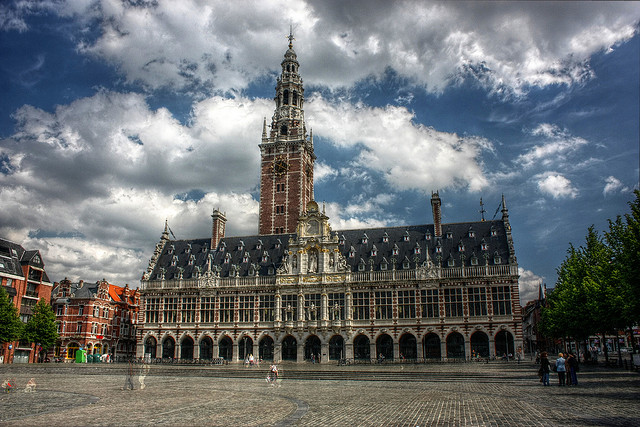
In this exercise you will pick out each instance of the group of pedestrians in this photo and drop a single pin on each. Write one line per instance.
(567, 369)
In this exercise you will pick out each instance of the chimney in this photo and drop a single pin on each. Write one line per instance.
(217, 230)
(437, 214)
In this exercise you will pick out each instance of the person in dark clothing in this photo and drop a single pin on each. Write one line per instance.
(545, 368)
(572, 367)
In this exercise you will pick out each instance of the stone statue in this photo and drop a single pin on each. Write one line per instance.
(313, 262)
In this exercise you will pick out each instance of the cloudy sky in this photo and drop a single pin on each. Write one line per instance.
(118, 114)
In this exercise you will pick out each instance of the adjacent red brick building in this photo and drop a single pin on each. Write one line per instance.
(97, 317)
(23, 276)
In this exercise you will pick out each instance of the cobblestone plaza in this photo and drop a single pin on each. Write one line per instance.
(498, 393)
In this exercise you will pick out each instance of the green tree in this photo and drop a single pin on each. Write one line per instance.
(42, 328)
(10, 324)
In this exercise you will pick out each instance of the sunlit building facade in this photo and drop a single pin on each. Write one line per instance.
(300, 290)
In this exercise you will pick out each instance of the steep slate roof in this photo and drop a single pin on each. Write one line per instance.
(13, 256)
(197, 250)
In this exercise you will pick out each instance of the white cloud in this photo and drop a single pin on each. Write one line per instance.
(409, 156)
(558, 143)
(612, 185)
(556, 185)
(529, 284)
(106, 170)
(323, 172)
(215, 45)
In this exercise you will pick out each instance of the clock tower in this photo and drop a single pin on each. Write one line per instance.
(286, 176)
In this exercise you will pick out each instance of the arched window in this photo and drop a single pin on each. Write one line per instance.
(431, 346)
(408, 346)
(336, 348)
(265, 348)
(285, 97)
(384, 346)
(206, 348)
(283, 130)
(361, 348)
(295, 98)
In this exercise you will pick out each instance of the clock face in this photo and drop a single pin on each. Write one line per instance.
(280, 167)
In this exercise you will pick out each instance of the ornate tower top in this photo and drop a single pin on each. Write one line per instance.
(286, 180)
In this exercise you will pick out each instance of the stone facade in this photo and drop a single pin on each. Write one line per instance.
(301, 291)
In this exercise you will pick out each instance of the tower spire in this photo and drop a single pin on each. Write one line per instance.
(290, 36)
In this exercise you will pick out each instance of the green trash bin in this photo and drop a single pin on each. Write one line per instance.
(81, 356)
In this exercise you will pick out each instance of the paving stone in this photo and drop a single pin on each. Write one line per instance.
(469, 394)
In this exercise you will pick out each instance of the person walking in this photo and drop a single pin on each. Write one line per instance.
(572, 365)
(545, 368)
(561, 369)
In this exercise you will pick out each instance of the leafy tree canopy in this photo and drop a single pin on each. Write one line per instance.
(10, 324)
(41, 327)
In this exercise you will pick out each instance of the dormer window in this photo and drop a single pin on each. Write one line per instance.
(270, 271)
(406, 236)
(223, 246)
(474, 260)
(374, 251)
(497, 259)
(171, 249)
(174, 261)
(365, 239)
(265, 256)
(278, 244)
(449, 235)
(451, 262)
(192, 259)
(245, 257)
(227, 258)
(438, 249)
(259, 245)
(342, 240)
(471, 233)
(352, 252)
(384, 264)
(395, 251)
(461, 246)
(204, 248)
(416, 249)
(494, 232)
(484, 246)
(385, 238)
(361, 265)
(405, 263)
(252, 270)
(427, 236)
(241, 245)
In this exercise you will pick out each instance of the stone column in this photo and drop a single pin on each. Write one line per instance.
(396, 350)
(324, 307)
(443, 349)
(236, 352)
(277, 351)
(373, 354)
(467, 347)
(347, 305)
(300, 352)
(348, 350)
(278, 313)
(324, 351)
(419, 348)
(492, 347)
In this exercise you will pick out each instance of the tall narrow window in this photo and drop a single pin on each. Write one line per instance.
(289, 307)
(267, 308)
(453, 302)
(407, 304)
(207, 307)
(246, 308)
(170, 313)
(384, 304)
(285, 97)
(226, 309)
(360, 306)
(501, 296)
(188, 309)
(430, 305)
(477, 302)
(153, 310)
(312, 306)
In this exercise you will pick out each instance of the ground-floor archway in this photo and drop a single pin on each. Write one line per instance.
(336, 347)
(504, 344)
(225, 348)
(245, 347)
(455, 346)
(72, 347)
(312, 348)
(289, 348)
(206, 348)
(384, 347)
(407, 346)
(479, 344)
(361, 348)
(265, 348)
(186, 348)
(431, 346)
(168, 348)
